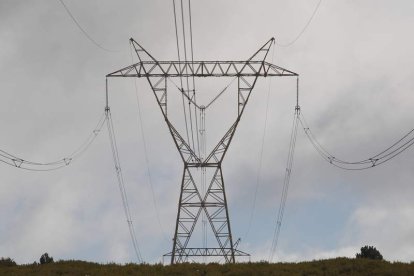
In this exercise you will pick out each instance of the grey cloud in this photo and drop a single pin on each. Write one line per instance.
(355, 66)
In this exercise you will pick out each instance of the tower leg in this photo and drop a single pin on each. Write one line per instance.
(190, 206)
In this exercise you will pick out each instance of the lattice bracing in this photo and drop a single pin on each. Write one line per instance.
(214, 205)
(196, 200)
(189, 253)
(202, 69)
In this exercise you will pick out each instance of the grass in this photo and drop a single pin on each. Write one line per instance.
(338, 266)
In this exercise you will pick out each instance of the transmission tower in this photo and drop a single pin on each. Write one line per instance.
(195, 200)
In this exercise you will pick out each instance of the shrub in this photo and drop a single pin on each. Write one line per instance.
(369, 252)
(7, 262)
(45, 259)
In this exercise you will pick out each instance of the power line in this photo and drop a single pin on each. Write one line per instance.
(220, 93)
(121, 183)
(303, 30)
(20, 163)
(192, 66)
(259, 168)
(186, 70)
(182, 92)
(84, 31)
(154, 200)
(286, 182)
(179, 67)
(389, 153)
(203, 174)
(191, 202)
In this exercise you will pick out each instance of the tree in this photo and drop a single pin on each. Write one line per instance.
(7, 262)
(45, 259)
(369, 252)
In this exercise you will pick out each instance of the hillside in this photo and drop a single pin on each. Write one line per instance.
(338, 266)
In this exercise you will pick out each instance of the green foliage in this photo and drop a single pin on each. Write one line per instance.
(369, 252)
(338, 266)
(45, 259)
(7, 262)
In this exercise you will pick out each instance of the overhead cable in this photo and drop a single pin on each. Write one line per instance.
(286, 182)
(18, 162)
(186, 71)
(211, 102)
(192, 69)
(220, 93)
(389, 153)
(84, 31)
(121, 183)
(181, 78)
(259, 166)
(144, 143)
(303, 29)
(203, 174)
(182, 92)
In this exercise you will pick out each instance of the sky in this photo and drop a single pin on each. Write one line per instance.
(355, 62)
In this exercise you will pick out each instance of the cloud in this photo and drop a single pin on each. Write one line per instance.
(386, 226)
(355, 66)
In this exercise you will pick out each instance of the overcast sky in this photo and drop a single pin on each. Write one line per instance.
(356, 81)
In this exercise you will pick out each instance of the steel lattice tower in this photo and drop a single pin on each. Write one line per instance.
(193, 201)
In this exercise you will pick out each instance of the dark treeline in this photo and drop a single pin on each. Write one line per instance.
(338, 266)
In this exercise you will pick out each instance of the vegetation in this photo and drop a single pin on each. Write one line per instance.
(369, 252)
(338, 266)
(7, 262)
(45, 259)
